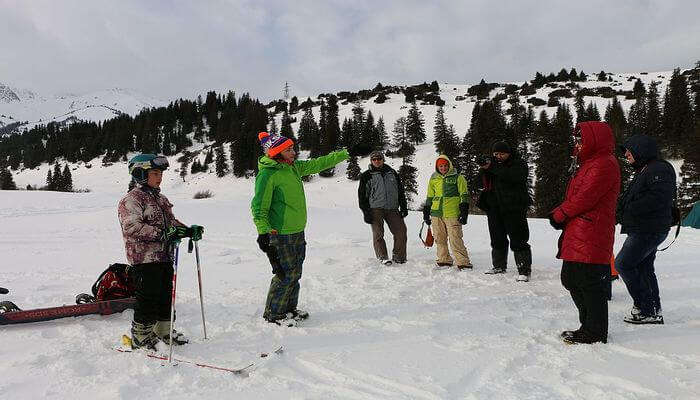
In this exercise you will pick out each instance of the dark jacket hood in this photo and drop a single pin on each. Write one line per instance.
(643, 149)
(597, 139)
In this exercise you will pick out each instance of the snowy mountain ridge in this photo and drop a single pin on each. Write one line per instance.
(30, 109)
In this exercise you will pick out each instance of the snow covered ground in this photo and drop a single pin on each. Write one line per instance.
(400, 332)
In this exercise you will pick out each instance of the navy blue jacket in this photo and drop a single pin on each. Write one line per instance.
(645, 207)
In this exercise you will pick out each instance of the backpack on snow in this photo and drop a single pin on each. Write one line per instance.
(112, 284)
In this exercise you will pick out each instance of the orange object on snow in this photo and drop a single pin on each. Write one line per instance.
(613, 271)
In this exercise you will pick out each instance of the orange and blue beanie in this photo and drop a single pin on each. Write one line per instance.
(274, 144)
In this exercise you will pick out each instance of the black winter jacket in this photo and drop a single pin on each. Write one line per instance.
(646, 205)
(504, 186)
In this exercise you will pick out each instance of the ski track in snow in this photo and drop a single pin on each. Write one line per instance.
(375, 332)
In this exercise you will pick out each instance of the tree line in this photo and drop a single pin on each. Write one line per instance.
(232, 124)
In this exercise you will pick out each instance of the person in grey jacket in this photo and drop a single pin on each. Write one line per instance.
(382, 198)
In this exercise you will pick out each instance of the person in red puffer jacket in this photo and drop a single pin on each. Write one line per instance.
(587, 217)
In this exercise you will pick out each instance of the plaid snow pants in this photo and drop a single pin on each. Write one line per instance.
(283, 296)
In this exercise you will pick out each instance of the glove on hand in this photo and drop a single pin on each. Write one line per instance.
(367, 216)
(403, 212)
(175, 233)
(426, 215)
(463, 213)
(196, 232)
(264, 242)
(557, 221)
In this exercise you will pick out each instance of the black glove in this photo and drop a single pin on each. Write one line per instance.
(367, 216)
(463, 213)
(556, 225)
(264, 242)
(426, 214)
(403, 212)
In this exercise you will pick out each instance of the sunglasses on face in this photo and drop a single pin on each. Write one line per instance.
(377, 159)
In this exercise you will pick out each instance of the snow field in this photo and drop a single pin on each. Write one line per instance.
(375, 332)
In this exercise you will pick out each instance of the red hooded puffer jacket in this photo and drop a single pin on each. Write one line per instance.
(588, 211)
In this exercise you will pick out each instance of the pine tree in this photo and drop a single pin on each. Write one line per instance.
(220, 161)
(272, 130)
(57, 178)
(184, 164)
(286, 129)
(208, 159)
(446, 141)
(308, 131)
(653, 122)
(689, 188)
(330, 129)
(6, 180)
(580, 108)
(382, 136)
(409, 175)
(49, 180)
(196, 167)
(353, 169)
(414, 125)
(67, 184)
(678, 115)
(592, 113)
(615, 117)
(553, 160)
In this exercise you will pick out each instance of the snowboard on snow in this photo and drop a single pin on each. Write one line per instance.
(11, 314)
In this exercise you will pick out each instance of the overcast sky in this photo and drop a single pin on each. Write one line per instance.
(170, 49)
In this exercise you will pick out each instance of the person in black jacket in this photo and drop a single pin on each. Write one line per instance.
(505, 198)
(382, 198)
(644, 211)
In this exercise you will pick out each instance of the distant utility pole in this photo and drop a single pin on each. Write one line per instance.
(285, 92)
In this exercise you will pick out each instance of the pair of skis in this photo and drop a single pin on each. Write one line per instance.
(244, 372)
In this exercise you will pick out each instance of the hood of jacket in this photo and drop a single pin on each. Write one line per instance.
(451, 171)
(643, 149)
(266, 162)
(596, 138)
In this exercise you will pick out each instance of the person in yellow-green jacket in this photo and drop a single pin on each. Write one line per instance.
(279, 213)
(446, 210)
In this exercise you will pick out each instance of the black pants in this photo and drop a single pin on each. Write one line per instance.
(154, 285)
(589, 286)
(513, 226)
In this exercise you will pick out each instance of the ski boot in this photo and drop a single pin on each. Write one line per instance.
(162, 330)
(142, 336)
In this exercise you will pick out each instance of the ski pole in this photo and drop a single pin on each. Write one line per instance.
(172, 299)
(199, 278)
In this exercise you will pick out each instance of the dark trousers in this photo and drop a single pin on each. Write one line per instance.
(589, 286)
(397, 228)
(283, 295)
(154, 285)
(635, 265)
(513, 226)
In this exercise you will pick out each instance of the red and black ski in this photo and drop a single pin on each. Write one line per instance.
(106, 307)
(245, 371)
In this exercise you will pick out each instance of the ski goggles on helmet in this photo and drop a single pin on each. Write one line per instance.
(158, 162)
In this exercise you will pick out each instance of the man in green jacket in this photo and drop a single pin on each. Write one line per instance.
(279, 213)
(446, 209)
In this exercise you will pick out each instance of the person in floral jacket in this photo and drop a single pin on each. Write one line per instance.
(150, 229)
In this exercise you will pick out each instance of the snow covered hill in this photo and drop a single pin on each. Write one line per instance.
(402, 332)
(30, 109)
(458, 108)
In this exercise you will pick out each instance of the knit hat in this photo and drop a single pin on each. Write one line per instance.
(274, 144)
(501, 147)
(441, 161)
(376, 154)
